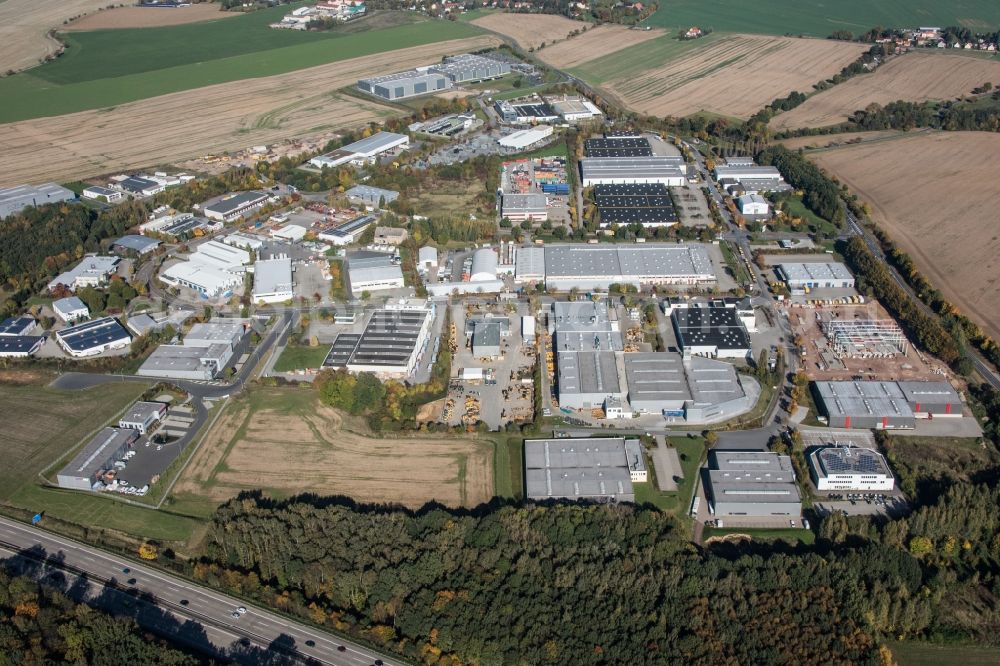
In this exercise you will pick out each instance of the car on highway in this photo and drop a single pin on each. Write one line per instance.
(310, 643)
(234, 615)
(242, 610)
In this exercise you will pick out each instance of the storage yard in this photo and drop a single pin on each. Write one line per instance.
(916, 77)
(944, 217)
(704, 79)
(231, 116)
(288, 443)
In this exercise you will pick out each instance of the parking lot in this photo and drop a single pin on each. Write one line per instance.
(505, 392)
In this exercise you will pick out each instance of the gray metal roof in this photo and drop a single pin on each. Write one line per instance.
(752, 477)
(272, 276)
(373, 144)
(140, 244)
(97, 453)
(632, 167)
(226, 206)
(588, 373)
(579, 468)
(864, 398)
(632, 261)
(485, 334)
(140, 411)
(936, 393)
(816, 271)
(656, 377)
(524, 203)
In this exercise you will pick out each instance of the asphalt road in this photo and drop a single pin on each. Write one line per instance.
(172, 605)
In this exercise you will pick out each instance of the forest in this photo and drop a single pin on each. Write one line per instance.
(615, 584)
(822, 196)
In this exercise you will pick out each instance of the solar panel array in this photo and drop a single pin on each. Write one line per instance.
(848, 460)
(643, 203)
(618, 147)
(93, 334)
(532, 111)
(388, 340)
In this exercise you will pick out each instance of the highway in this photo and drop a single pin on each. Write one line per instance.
(179, 608)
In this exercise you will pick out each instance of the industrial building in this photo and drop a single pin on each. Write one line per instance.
(648, 204)
(850, 468)
(70, 309)
(669, 171)
(244, 242)
(753, 205)
(401, 85)
(469, 68)
(817, 275)
(96, 458)
(140, 245)
(205, 352)
(93, 337)
(373, 271)
(178, 225)
(528, 329)
(864, 338)
(752, 483)
(15, 199)
(139, 186)
(427, 258)
(349, 232)
(526, 111)
(618, 146)
(885, 405)
(522, 207)
(92, 271)
(486, 339)
(290, 233)
(20, 346)
(17, 326)
(596, 267)
(389, 236)
(600, 469)
(573, 109)
(142, 415)
(697, 390)
(98, 193)
(529, 265)
(364, 151)
(743, 307)
(390, 345)
(715, 332)
(372, 197)
(484, 265)
(272, 280)
(213, 269)
(584, 326)
(526, 138)
(587, 379)
(740, 173)
(235, 206)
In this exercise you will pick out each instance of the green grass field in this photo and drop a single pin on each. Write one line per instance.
(914, 653)
(296, 357)
(691, 451)
(105, 68)
(821, 17)
(761, 534)
(638, 58)
(44, 426)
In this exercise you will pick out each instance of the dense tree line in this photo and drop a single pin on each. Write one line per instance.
(612, 584)
(924, 329)
(822, 195)
(43, 626)
(981, 115)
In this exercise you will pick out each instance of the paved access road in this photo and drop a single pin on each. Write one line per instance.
(198, 614)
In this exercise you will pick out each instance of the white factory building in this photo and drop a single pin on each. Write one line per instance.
(235, 206)
(818, 275)
(753, 204)
(206, 350)
(373, 271)
(93, 337)
(92, 271)
(850, 468)
(70, 309)
(213, 269)
(526, 138)
(272, 280)
(669, 171)
(362, 152)
(588, 267)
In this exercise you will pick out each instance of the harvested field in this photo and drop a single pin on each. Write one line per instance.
(530, 30)
(916, 77)
(138, 17)
(188, 124)
(944, 217)
(824, 141)
(286, 442)
(596, 43)
(25, 24)
(736, 75)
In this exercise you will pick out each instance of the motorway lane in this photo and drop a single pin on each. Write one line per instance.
(204, 606)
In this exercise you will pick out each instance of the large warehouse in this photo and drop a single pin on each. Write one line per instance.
(373, 271)
(600, 469)
(235, 206)
(390, 345)
(669, 171)
(849, 468)
(697, 390)
(716, 332)
(818, 275)
(587, 379)
(522, 207)
(584, 326)
(648, 204)
(272, 280)
(364, 151)
(93, 337)
(405, 84)
(525, 138)
(213, 269)
(748, 172)
(468, 68)
(596, 267)
(752, 483)
(97, 457)
(15, 199)
(885, 405)
(205, 352)
(92, 271)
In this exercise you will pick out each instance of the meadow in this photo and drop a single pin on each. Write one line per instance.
(819, 18)
(105, 68)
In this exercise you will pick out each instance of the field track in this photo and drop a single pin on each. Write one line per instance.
(137, 17)
(915, 77)
(24, 27)
(188, 124)
(733, 76)
(929, 193)
(530, 30)
(597, 42)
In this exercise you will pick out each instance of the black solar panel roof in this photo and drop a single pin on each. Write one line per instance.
(629, 203)
(618, 147)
